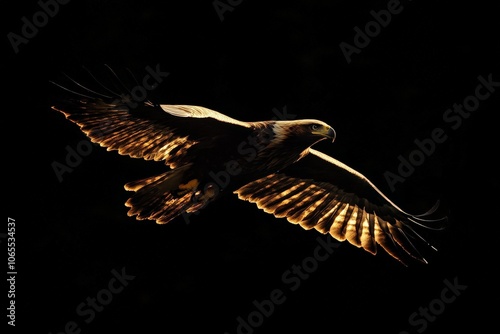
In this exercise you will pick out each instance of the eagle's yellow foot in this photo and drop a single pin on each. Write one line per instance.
(190, 186)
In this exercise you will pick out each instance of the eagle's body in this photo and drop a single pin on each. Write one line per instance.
(224, 163)
(270, 163)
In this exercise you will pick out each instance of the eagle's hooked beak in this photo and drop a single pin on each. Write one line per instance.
(331, 134)
(326, 131)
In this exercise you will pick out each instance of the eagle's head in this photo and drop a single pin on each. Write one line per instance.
(305, 131)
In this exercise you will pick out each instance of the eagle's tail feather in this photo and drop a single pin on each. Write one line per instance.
(156, 197)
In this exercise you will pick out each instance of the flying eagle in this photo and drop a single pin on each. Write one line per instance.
(269, 163)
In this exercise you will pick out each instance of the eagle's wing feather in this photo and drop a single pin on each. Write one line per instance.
(200, 112)
(152, 132)
(322, 193)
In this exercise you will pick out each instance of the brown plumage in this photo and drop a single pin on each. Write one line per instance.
(269, 163)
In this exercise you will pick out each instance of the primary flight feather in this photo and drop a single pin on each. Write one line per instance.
(269, 163)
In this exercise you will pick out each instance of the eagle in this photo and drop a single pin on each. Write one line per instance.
(270, 163)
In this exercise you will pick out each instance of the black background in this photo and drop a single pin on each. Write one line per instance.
(203, 275)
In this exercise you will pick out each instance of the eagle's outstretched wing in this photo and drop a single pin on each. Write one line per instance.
(316, 191)
(322, 193)
(141, 129)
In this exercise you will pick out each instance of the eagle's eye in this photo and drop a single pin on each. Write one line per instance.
(315, 127)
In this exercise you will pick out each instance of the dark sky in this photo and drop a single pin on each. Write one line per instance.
(73, 236)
